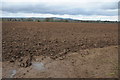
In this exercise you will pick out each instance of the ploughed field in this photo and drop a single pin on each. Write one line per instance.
(53, 39)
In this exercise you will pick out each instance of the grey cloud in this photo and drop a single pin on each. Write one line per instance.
(42, 8)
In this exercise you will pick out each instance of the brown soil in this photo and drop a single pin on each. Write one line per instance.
(93, 63)
(60, 48)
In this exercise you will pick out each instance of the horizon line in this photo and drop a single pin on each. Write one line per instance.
(61, 18)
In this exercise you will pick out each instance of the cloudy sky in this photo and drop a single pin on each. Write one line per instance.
(75, 9)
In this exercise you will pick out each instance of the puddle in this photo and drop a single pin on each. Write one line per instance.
(38, 66)
(12, 73)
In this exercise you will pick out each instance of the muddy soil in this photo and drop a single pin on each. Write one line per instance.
(93, 63)
(27, 46)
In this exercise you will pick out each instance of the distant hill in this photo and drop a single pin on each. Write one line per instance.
(55, 19)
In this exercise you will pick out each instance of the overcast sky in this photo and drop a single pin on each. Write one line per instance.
(75, 9)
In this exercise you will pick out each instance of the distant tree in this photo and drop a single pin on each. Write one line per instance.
(38, 20)
(66, 20)
(29, 19)
(15, 19)
(47, 19)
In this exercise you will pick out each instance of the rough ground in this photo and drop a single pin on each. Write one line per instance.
(93, 63)
(57, 49)
(0, 70)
